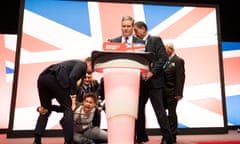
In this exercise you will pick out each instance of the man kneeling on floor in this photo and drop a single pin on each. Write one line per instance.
(86, 117)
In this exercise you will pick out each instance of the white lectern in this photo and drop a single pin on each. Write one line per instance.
(121, 73)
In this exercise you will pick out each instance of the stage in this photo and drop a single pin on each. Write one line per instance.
(232, 137)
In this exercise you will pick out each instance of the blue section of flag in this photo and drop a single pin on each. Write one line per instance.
(180, 125)
(233, 107)
(9, 70)
(228, 46)
(155, 14)
(73, 14)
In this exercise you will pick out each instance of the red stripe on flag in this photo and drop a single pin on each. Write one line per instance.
(35, 45)
(6, 87)
(201, 64)
(231, 70)
(210, 104)
(6, 54)
(2, 62)
(185, 22)
(111, 15)
(10, 55)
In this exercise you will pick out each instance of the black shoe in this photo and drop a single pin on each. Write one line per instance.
(37, 139)
(163, 142)
(142, 140)
(36, 142)
(174, 140)
(166, 141)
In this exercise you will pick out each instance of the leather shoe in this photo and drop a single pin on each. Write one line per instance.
(68, 142)
(165, 141)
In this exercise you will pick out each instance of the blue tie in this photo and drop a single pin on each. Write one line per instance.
(166, 63)
(88, 89)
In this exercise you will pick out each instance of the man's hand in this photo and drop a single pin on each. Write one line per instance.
(74, 101)
(147, 75)
(42, 110)
(78, 83)
(178, 97)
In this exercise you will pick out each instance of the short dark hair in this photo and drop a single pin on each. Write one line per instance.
(90, 94)
(88, 59)
(141, 24)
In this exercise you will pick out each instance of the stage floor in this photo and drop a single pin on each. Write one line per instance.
(232, 135)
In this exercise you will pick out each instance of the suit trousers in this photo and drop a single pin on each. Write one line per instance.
(156, 97)
(172, 115)
(49, 88)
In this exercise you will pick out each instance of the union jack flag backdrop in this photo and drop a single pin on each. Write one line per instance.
(7, 59)
(231, 59)
(56, 30)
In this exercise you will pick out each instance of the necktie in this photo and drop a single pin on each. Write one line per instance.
(166, 63)
(88, 89)
(126, 40)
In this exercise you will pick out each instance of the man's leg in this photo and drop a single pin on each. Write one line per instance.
(64, 99)
(141, 134)
(172, 117)
(157, 103)
(45, 101)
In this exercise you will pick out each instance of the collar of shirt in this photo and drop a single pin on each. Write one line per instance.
(85, 86)
(171, 56)
(145, 38)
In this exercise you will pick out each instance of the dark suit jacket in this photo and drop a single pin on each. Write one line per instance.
(119, 39)
(100, 90)
(174, 77)
(68, 73)
(93, 85)
(155, 45)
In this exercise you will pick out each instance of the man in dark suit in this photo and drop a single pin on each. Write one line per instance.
(174, 72)
(59, 81)
(152, 84)
(127, 37)
(89, 84)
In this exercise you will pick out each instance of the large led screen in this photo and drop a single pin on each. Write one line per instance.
(57, 30)
(231, 63)
(7, 60)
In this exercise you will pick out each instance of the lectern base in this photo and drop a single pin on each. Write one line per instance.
(121, 86)
(121, 130)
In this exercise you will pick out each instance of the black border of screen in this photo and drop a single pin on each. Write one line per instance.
(55, 133)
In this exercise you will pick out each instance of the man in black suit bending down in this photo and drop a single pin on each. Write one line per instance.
(59, 81)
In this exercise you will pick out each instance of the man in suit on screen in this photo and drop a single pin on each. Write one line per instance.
(151, 85)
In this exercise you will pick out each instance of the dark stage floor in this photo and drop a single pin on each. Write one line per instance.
(232, 137)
